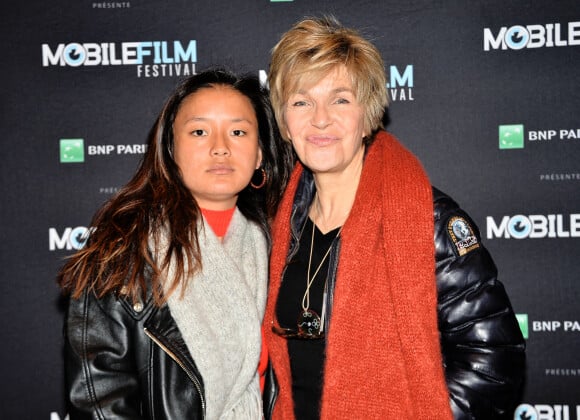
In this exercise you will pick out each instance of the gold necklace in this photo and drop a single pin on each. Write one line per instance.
(309, 322)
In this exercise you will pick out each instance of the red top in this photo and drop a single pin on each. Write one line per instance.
(219, 220)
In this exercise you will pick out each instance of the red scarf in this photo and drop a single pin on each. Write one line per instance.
(383, 357)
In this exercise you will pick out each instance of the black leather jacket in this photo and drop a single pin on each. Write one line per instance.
(126, 361)
(482, 345)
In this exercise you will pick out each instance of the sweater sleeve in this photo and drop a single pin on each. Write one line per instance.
(482, 345)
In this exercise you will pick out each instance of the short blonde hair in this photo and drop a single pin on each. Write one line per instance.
(314, 47)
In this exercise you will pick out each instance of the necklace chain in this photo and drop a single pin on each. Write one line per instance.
(310, 280)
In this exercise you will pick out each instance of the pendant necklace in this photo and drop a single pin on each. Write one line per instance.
(309, 322)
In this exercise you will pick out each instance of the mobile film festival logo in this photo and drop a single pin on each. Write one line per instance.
(533, 226)
(546, 412)
(150, 58)
(400, 84)
(519, 37)
(69, 239)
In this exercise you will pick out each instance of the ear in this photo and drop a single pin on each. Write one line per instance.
(259, 160)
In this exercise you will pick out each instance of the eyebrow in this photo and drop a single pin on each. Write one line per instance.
(336, 90)
(235, 120)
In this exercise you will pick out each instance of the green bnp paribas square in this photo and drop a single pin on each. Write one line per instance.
(523, 323)
(511, 136)
(72, 150)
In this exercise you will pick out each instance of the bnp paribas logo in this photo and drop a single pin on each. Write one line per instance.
(523, 322)
(511, 136)
(72, 150)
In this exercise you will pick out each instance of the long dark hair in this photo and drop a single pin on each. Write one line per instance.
(117, 257)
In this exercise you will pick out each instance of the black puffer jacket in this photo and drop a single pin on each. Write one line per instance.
(483, 348)
(127, 361)
(482, 345)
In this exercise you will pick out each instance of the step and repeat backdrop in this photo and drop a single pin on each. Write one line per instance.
(486, 93)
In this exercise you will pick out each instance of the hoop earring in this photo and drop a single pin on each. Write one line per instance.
(264, 178)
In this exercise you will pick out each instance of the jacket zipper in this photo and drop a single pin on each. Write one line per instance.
(191, 376)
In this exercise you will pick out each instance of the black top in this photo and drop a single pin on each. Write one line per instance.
(306, 356)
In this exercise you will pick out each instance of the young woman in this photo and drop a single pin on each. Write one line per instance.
(167, 297)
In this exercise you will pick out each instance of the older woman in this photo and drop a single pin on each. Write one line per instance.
(383, 303)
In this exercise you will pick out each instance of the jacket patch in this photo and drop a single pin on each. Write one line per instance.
(461, 234)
